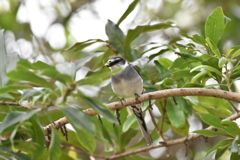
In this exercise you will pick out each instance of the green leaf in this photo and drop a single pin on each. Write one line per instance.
(218, 112)
(198, 75)
(213, 47)
(235, 53)
(214, 25)
(24, 64)
(234, 156)
(211, 120)
(78, 119)
(21, 75)
(93, 80)
(37, 136)
(234, 147)
(222, 61)
(128, 123)
(39, 65)
(183, 131)
(86, 140)
(83, 126)
(214, 70)
(163, 72)
(222, 144)
(165, 62)
(15, 117)
(126, 137)
(231, 127)
(165, 82)
(128, 11)
(220, 152)
(210, 133)
(134, 33)
(115, 36)
(55, 75)
(3, 65)
(213, 102)
(187, 56)
(54, 148)
(152, 56)
(184, 105)
(175, 113)
(199, 39)
(179, 63)
(183, 73)
(10, 154)
(100, 108)
(75, 51)
(12, 88)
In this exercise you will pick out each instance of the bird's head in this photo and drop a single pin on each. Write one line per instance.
(116, 63)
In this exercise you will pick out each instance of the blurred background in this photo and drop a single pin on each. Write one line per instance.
(41, 29)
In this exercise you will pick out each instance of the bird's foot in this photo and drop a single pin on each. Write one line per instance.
(121, 100)
(136, 97)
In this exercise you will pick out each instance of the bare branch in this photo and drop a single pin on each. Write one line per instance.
(170, 142)
(171, 93)
(15, 104)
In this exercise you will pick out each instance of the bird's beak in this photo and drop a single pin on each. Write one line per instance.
(107, 64)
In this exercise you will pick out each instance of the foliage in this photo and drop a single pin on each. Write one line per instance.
(51, 92)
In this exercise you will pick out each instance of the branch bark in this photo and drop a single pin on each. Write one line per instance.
(149, 96)
(171, 93)
(155, 95)
(170, 142)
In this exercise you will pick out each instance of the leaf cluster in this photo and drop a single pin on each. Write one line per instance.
(52, 92)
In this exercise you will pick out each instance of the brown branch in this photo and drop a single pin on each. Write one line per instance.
(148, 96)
(156, 95)
(171, 93)
(15, 104)
(170, 142)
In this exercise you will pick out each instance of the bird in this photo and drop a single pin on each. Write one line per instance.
(126, 82)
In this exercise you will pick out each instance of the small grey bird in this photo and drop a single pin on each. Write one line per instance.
(126, 82)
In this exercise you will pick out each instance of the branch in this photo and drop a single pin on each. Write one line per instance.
(149, 96)
(15, 104)
(155, 95)
(171, 93)
(170, 142)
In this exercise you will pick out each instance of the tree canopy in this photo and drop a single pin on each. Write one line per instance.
(56, 101)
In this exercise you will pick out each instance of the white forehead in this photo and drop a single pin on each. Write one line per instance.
(114, 59)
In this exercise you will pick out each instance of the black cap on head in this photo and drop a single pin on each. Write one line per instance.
(115, 61)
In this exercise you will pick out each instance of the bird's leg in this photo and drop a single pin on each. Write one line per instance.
(121, 100)
(136, 97)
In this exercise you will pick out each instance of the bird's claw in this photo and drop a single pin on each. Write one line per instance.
(136, 96)
(121, 100)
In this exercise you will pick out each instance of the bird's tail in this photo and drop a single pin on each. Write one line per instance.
(138, 113)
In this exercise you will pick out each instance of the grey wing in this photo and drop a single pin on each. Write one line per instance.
(135, 69)
(137, 73)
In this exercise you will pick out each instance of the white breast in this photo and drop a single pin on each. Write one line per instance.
(128, 88)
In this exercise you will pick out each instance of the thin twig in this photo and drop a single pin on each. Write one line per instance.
(170, 142)
(75, 149)
(162, 123)
(154, 121)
